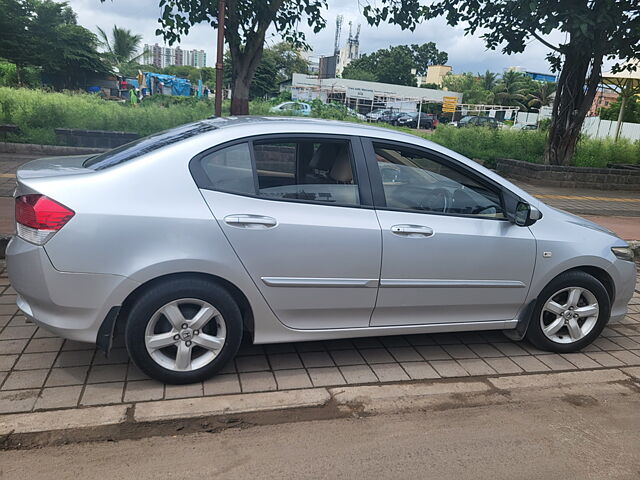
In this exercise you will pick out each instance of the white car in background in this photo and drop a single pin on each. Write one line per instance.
(292, 108)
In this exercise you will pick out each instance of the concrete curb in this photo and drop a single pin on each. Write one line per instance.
(167, 417)
(230, 404)
(37, 149)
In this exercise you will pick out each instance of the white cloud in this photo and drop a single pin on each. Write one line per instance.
(466, 53)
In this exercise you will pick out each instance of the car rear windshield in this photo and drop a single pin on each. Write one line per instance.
(146, 145)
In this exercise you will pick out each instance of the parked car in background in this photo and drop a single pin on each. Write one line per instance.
(427, 120)
(281, 230)
(292, 108)
(389, 117)
(374, 115)
(477, 121)
(524, 126)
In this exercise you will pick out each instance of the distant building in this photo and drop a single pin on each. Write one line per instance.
(603, 99)
(163, 57)
(541, 77)
(435, 74)
(361, 95)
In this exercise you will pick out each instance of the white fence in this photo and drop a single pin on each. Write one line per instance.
(594, 127)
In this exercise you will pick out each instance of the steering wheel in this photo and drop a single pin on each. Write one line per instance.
(427, 199)
(437, 200)
(479, 210)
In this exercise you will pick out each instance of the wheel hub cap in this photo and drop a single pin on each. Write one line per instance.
(569, 315)
(185, 334)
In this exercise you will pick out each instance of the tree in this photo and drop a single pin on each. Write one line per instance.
(488, 80)
(44, 34)
(246, 25)
(470, 86)
(425, 55)
(391, 65)
(542, 95)
(247, 22)
(123, 46)
(593, 30)
(631, 111)
(512, 89)
(358, 73)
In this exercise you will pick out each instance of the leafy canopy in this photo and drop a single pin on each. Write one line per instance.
(44, 33)
(395, 64)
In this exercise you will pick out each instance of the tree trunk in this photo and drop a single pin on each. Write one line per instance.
(244, 65)
(576, 90)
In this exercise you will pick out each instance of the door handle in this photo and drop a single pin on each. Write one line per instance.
(414, 231)
(250, 221)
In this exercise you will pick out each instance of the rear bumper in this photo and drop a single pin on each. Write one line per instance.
(71, 305)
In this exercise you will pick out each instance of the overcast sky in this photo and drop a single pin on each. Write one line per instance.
(466, 53)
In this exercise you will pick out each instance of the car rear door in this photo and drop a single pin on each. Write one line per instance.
(449, 254)
(298, 212)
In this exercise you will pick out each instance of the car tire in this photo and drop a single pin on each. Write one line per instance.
(158, 317)
(570, 323)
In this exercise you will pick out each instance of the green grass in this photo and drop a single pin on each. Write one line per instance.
(38, 112)
(488, 145)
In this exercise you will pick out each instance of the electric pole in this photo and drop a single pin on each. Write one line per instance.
(219, 61)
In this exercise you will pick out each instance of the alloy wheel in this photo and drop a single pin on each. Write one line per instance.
(569, 315)
(185, 334)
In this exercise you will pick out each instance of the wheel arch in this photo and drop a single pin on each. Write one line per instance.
(237, 294)
(598, 273)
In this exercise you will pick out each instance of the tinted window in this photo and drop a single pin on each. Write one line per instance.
(230, 170)
(146, 145)
(413, 181)
(314, 171)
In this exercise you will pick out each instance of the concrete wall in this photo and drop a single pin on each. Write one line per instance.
(570, 177)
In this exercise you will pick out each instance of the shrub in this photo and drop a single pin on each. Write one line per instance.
(488, 145)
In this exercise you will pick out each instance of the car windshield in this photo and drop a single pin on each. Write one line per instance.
(467, 119)
(146, 145)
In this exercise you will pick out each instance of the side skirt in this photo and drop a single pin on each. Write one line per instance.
(296, 335)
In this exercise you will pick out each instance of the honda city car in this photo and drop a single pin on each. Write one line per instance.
(295, 229)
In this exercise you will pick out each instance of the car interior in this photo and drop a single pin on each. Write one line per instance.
(413, 182)
(307, 170)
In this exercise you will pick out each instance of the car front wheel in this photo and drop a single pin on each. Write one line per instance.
(570, 313)
(183, 330)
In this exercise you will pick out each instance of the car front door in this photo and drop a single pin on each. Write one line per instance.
(298, 212)
(449, 254)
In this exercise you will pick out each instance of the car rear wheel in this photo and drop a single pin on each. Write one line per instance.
(570, 313)
(183, 330)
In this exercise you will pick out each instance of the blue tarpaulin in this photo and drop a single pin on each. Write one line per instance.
(178, 86)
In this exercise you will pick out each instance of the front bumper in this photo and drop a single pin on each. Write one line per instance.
(71, 305)
(624, 276)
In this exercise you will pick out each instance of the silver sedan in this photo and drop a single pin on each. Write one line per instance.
(286, 230)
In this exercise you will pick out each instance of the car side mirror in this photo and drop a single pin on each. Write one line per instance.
(518, 211)
(526, 215)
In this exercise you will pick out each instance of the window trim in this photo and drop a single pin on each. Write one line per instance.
(377, 186)
(355, 146)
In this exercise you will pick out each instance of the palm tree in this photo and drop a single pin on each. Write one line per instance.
(488, 80)
(512, 89)
(542, 96)
(123, 46)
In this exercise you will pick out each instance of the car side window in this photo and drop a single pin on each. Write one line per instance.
(311, 170)
(230, 169)
(414, 181)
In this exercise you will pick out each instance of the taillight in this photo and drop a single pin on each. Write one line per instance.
(38, 217)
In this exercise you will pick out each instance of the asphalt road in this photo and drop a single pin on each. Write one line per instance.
(579, 437)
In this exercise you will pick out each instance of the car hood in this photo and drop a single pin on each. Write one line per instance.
(582, 222)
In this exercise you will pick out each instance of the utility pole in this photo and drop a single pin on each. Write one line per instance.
(219, 61)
